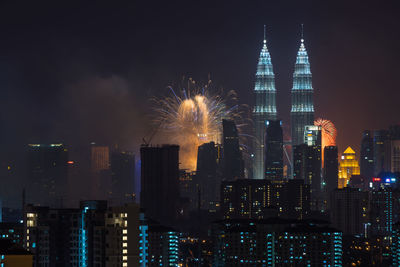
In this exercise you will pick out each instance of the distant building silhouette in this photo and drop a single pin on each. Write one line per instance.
(47, 173)
(159, 195)
(274, 151)
(208, 175)
(367, 155)
(380, 137)
(233, 165)
(331, 168)
(122, 176)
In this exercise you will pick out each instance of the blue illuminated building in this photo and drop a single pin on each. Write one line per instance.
(302, 112)
(381, 213)
(396, 244)
(276, 242)
(264, 107)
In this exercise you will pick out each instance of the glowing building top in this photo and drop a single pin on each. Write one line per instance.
(302, 112)
(264, 107)
(348, 166)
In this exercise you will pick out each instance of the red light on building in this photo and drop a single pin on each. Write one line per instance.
(70, 162)
(376, 179)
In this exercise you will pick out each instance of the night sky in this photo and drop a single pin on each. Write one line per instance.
(83, 72)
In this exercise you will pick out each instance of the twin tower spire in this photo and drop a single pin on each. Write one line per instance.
(302, 111)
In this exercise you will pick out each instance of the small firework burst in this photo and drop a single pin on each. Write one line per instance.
(329, 133)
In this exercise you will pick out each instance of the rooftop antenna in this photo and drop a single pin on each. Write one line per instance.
(265, 35)
(302, 32)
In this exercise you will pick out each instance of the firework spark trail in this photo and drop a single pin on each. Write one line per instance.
(192, 118)
(329, 134)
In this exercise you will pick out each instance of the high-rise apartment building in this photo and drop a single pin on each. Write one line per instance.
(302, 112)
(348, 166)
(160, 182)
(47, 173)
(367, 155)
(274, 151)
(264, 107)
(381, 214)
(275, 242)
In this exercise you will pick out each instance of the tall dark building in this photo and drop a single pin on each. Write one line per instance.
(367, 155)
(233, 166)
(380, 136)
(264, 107)
(349, 210)
(122, 176)
(331, 166)
(47, 173)
(307, 167)
(274, 151)
(208, 175)
(160, 182)
(302, 112)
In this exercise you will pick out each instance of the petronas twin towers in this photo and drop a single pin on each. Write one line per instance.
(302, 112)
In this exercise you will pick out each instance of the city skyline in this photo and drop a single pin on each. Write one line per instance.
(65, 83)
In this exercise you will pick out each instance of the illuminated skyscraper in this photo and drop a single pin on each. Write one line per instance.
(302, 112)
(264, 107)
(348, 166)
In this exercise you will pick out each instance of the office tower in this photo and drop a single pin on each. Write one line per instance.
(348, 166)
(331, 168)
(302, 112)
(47, 173)
(275, 242)
(349, 210)
(307, 167)
(367, 155)
(264, 107)
(261, 199)
(381, 213)
(233, 165)
(274, 151)
(208, 175)
(160, 182)
(380, 136)
(122, 176)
